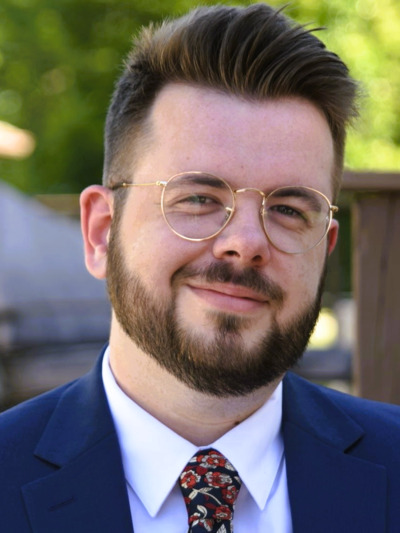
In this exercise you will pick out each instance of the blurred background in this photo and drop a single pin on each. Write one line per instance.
(58, 64)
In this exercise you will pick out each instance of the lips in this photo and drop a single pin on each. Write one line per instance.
(229, 297)
(224, 280)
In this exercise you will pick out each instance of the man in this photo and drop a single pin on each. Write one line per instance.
(224, 152)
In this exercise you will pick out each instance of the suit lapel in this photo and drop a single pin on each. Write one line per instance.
(88, 491)
(330, 488)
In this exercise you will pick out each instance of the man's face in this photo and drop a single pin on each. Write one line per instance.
(230, 314)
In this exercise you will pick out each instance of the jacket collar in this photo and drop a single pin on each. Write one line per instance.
(330, 488)
(88, 491)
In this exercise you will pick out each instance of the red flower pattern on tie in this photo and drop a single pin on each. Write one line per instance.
(210, 486)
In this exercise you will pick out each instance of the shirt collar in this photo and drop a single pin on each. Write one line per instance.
(254, 447)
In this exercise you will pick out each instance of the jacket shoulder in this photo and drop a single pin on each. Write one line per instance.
(23, 424)
(378, 422)
(353, 404)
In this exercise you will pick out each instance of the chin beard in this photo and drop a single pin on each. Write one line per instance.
(221, 365)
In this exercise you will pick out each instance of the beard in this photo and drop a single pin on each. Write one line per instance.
(221, 365)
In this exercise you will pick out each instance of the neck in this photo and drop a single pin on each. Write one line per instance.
(195, 416)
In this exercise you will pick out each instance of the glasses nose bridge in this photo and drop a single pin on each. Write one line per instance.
(252, 189)
(263, 200)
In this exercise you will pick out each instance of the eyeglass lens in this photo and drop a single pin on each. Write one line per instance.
(198, 206)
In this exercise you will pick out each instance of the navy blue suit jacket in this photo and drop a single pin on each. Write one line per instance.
(61, 471)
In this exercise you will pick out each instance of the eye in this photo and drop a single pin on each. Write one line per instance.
(198, 199)
(286, 210)
(287, 216)
(193, 203)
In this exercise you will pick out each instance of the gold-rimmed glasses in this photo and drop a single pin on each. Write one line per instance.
(197, 206)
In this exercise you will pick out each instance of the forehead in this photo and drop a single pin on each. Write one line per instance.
(267, 144)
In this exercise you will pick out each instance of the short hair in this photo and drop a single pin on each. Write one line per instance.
(255, 52)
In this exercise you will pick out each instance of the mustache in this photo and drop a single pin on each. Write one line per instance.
(225, 273)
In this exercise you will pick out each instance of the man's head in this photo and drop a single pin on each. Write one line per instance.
(255, 53)
(242, 95)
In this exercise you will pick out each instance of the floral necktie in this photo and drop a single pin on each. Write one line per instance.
(210, 486)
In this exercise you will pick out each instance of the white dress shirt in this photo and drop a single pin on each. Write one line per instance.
(153, 457)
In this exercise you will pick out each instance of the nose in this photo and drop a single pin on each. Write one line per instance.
(243, 241)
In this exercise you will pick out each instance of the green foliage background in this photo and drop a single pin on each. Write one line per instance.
(59, 60)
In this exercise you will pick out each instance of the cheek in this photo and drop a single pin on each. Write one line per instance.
(301, 280)
(141, 230)
(153, 252)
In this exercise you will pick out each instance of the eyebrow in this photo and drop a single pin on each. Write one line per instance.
(205, 179)
(300, 193)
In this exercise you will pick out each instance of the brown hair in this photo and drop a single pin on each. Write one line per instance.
(255, 52)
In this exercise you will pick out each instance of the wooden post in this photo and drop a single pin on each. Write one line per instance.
(376, 283)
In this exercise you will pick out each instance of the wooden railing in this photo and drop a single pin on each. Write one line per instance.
(376, 283)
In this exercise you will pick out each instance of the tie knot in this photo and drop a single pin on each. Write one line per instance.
(210, 486)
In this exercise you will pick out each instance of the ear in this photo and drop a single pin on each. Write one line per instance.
(333, 234)
(96, 215)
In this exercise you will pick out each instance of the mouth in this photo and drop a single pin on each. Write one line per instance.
(228, 297)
